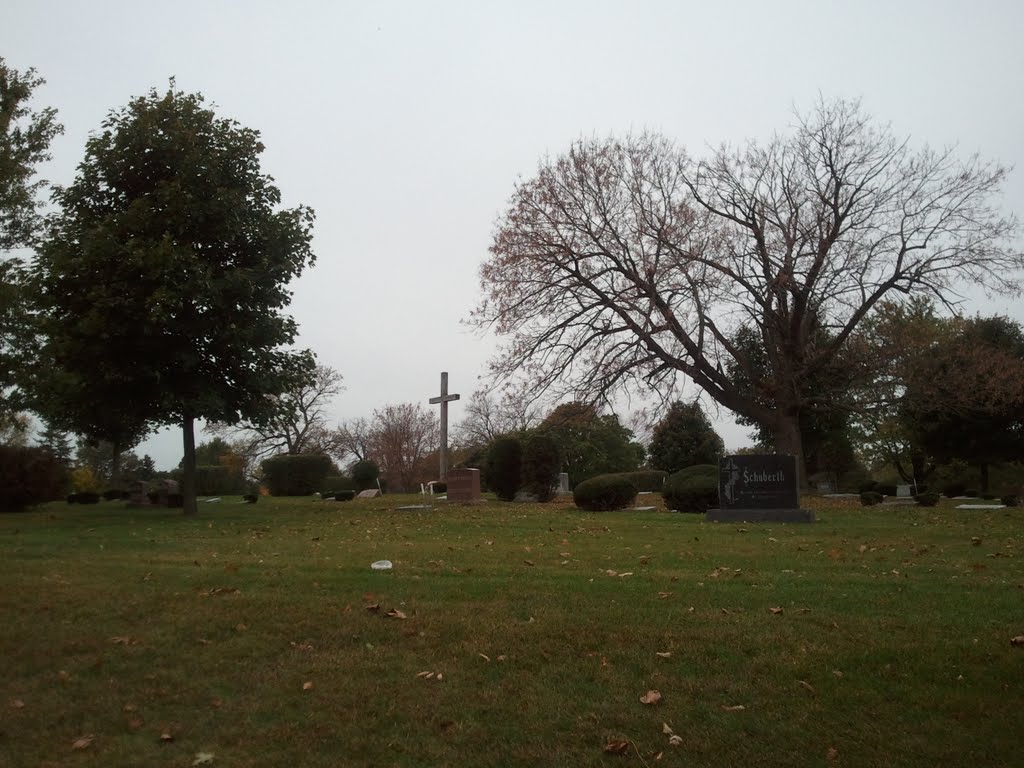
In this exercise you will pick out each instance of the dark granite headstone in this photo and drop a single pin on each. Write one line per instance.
(463, 485)
(759, 488)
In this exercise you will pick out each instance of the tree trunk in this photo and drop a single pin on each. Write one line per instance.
(188, 465)
(984, 477)
(115, 467)
(789, 441)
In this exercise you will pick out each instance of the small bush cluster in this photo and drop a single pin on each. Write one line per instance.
(694, 489)
(1010, 500)
(295, 474)
(334, 484)
(927, 499)
(29, 476)
(364, 475)
(870, 498)
(541, 461)
(604, 493)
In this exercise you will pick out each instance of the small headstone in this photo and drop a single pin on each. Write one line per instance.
(137, 495)
(369, 493)
(563, 484)
(903, 491)
(826, 486)
(463, 485)
(759, 488)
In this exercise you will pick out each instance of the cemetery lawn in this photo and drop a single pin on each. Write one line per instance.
(509, 635)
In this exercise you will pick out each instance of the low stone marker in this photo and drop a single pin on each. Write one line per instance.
(463, 485)
(903, 492)
(369, 493)
(759, 488)
(563, 484)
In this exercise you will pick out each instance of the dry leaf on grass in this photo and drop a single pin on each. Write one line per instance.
(83, 742)
(651, 697)
(832, 755)
(667, 729)
(484, 656)
(307, 686)
(394, 613)
(528, 562)
(16, 704)
(616, 747)
(203, 758)
(124, 640)
(375, 607)
(166, 736)
(663, 654)
(224, 591)
(776, 611)
(663, 595)
(675, 741)
(733, 708)
(806, 686)
(1018, 640)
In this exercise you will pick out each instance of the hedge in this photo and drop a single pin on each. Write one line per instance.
(603, 493)
(295, 474)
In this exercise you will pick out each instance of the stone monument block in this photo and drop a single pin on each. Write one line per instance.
(759, 488)
(463, 485)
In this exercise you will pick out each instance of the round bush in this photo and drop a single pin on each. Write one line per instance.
(694, 489)
(295, 474)
(365, 474)
(870, 498)
(29, 476)
(541, 461)
(927, 499)
(604, 493)
(1010, 500)
(649, 480)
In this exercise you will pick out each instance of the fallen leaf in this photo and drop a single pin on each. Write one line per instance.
(663, 654)
(616, 747)
(375, 607)
(776, 611)
(223, 591)
(216, 703)
(135, 723)
(733, 708)
(17, 704)
(806, 686)
(484, 656)
(975, 541)
(675, 741)
(832, 754)
(627, 573)
(837, 673)
(657, 755)
(663, 595)
(83, 742)
(439, 676)
(307, 686)
(424, 674)
(862, 548)
(612, 573)
(203, 758)
(394, 613)
(166, 736)
(651, 697)
(502, 657)
(835, 554)
(241, 627)
(125, 640)
(528, 562)
(667, 729)
(1018, 640)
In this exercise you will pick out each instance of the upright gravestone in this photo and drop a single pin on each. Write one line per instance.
(464, 485)
(563, 484)
(759, 488)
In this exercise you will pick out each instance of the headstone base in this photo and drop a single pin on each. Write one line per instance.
(759, 516)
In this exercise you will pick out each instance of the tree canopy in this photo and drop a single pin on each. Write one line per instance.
(683, 438)
(164, 275)
(591, 443)
(625, 263)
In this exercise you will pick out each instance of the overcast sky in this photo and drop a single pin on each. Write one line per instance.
(405, 125)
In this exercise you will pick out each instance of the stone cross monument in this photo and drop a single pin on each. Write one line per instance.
(444, 399)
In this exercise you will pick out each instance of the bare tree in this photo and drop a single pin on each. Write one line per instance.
(351, 438)
(626, 265)
(299, 424)
(488, 416)
(402, 437)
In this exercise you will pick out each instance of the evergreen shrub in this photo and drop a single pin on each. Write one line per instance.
(1010, 500)
(29, 476)
(870, 498)
(334, 484)
(364, 474)
(503, 467)
(927, 499)
(295, 474)
(541, 462)
(647, 480)
(604, 493)
(694, 489)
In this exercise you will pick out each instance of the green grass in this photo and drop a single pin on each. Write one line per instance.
(892, 647)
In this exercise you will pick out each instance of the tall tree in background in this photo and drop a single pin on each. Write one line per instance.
(684, 437)
(298, 421)
(401, 439)
(163, 279)
(25, 137)
(591, 443)
(626, 264)
(488, 416)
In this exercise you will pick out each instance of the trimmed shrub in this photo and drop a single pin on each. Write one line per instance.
(649, 480)
(927, 499)
(953, 489)
(694, 489)
(503, 467)
(541, 462)
(29, 476)
(604, 493)
(870, 498)
(295, 474)
(1010, 500)
(364, 475)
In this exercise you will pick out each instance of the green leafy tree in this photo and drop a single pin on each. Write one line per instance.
(57, 442)
(163, 279)
(541, 461)
(590, 443)
(25, 136)
(683, 438)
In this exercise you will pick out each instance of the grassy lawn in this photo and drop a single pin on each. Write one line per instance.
(261, 637)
